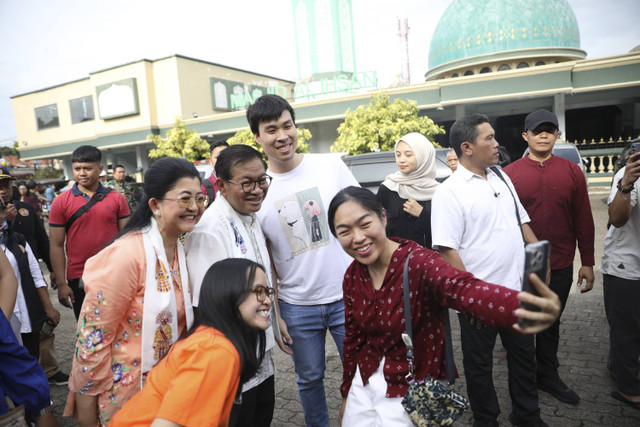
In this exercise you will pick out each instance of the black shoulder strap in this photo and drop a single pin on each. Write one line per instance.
(85, 208)
(497, 172)
(407, 336)
(211, 192)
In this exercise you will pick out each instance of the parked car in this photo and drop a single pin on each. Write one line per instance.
(371, 169)
(204, 168)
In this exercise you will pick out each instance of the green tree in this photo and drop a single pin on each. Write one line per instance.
(378, 125)
(48, 173)
(245, 136)
(180, 142)
(10, 151)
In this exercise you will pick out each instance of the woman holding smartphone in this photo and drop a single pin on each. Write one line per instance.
(375, 364)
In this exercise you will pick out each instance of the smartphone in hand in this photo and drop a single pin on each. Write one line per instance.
(47, 328)
(536, 261)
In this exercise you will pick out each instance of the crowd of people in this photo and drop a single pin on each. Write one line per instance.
(183, 295)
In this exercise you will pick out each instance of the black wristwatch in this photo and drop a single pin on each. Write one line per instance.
(624, 190)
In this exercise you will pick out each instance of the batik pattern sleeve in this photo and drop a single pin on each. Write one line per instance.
(494, 305)
(354, 339)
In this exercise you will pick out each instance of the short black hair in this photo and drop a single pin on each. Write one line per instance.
(119, 166)
(465, 130)
(216, 144)
(267, 108)
(359, 195)
(86, 154)
(233, 156)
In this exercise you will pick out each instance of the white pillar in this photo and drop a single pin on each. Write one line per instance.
(559, 111)
(460, 113)
(142, 162)
(67, 167)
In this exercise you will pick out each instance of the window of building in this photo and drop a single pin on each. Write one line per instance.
(468, 73)
(47, 117)
(540, 63)
(454, 75)
(81, 109)
(118, 99)
(485, 70)
(523, 65)
(504, 67)
(227, 95)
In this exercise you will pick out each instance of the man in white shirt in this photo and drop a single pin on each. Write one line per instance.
(230, 229)
(621, 273)
(309, 262)
(476, 229)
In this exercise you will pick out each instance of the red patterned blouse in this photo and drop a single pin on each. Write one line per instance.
(374, 319)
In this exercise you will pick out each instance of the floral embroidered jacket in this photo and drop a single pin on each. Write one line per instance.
(107, 357)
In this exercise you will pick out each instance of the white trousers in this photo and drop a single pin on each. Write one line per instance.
(367, 405)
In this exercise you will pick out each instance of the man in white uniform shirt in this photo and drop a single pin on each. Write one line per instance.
(476, 229)
(309, 262)
(230, 229)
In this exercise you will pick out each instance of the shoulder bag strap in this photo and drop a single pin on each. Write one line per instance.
(497, 172)
(407, 336)
(85, 208)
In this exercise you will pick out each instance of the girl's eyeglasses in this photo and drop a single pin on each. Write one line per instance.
(262, 292)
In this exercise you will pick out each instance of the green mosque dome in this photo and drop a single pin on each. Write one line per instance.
(482, 29)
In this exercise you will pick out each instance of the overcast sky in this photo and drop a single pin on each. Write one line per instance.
(45, 43)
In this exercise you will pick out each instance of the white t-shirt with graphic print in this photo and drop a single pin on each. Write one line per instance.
(309, 261)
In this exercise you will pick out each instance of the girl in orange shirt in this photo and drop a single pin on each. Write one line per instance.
(196, 383)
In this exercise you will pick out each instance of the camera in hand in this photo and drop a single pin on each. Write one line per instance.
(536, 261)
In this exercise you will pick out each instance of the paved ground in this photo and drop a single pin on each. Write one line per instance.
(583, 354)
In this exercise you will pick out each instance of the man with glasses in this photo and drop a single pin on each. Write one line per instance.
(308, 260)
(554, 193)
(229, 228)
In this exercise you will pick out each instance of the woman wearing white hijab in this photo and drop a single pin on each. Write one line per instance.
(406, 194)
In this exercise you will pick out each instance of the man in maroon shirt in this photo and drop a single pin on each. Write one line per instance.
(554, 193)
